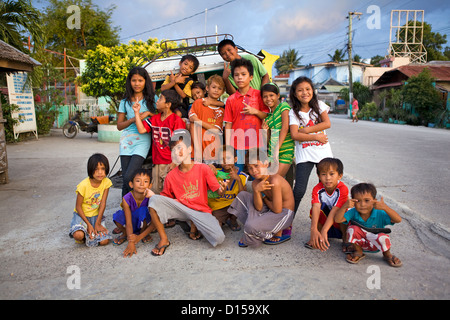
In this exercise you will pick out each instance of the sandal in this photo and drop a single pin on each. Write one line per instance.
(148, 238)
(119, 240)
(391, 261)
(159, 249)
(233, 227)
(170, 224)
(360, 256)
(280, 240)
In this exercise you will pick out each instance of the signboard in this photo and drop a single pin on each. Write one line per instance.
(21, 94)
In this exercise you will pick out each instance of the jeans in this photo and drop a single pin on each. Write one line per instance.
(302, 173)
(129, 165)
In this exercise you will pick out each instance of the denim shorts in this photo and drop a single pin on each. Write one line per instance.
(78, 224)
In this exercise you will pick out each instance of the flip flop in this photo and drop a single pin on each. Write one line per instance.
(281, 240)
(119, 240)
(159, 248)
(242, 245)
(354, 254)
(392, 263)
(233, 227)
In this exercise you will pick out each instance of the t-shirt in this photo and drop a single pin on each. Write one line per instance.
(213, 116)
(355, 105)
(259, 71)
(250, 125)
(129, 199)
(161, 132)
(377, 219)
(274, 122)
(328, 201)
(310, 151)
(230, 193)
(191, 188)
(186, 87)
(92, 197)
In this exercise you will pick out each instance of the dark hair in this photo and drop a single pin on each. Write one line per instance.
(93, 161)
(199, 85)
(326, 163)
(180, 135)
(149, 92)
(296, 104)
(236, 63)
(141, 171)
(361, 188)
(173, 97)
(192, 59)
(225, 42)
(270, 87)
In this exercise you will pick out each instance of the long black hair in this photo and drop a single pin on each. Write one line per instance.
(149, 92)
(296, 105)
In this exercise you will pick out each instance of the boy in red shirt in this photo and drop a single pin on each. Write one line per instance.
(184, 197)
(244, 112)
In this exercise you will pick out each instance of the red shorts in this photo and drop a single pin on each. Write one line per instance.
(368, 241)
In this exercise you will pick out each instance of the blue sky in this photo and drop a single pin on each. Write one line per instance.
(314, 28)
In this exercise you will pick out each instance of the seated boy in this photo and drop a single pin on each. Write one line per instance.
(328, 196)
(134, 217)
(369, 213)
(182, 82)
(184, 197)
(207, 122)
(267, 211)
(236, 183)
(229, 52)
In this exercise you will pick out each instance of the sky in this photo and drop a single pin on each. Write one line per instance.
(314, 28)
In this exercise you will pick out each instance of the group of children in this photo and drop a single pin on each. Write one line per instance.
(214, 165)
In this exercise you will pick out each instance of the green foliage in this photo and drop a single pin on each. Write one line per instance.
(338, 55)
(8, 110)
(361, 92)
(45, 117)
(107, 68)
(289, 60)
(368, 110)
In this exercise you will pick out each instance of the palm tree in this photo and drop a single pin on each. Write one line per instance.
(338, 55)
(16, 18)
(289, 60)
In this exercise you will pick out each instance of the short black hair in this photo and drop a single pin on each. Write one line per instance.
(198, 84)
(141, 171)
(326, 163)
(224, 42)
(363, 187)
(93, 161)
(173, 97)
(191, 58)
(180, 135)
(236, 63)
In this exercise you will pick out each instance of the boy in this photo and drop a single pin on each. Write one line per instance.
(134, 217)
(244, 111)
(236, 184)
(328, 196)
(210, 120)
(267, 211)
(162, 126)
(369, 213)
(184, 197)
(229, 52)
(181, 82)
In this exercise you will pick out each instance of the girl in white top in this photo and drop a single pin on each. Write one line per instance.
(308, 120)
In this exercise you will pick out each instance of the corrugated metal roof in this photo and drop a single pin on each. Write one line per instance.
(440, 72)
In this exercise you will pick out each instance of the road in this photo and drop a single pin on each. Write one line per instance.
(39, 261)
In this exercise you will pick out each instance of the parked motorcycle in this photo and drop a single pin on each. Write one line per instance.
(75, 124)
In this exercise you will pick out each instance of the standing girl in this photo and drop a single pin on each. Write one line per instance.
(277, 121)
(88, 222)
(308, 120)
(134, 147)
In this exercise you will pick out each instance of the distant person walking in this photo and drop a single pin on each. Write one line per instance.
(355, 109)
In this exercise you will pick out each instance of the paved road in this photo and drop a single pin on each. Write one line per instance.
(37, 256)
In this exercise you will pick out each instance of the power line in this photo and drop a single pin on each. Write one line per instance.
(178, 21)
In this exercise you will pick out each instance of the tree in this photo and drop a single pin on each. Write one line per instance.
(338, 55)
(420, 93)
(375, 60)
(289, 60)
(357, 58)
(361, 93)
(107, 68)
(17, 18)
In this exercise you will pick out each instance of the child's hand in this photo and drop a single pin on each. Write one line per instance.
(130, 250)
(248, 109)
(179, 78)
(223, 187)
(350, 203)
(263, 185)
(379, 204)
(264, 125)
(136, 107)
(91, 231)
(226, 70)
(99, 229)
(149, 193)
(322, 138)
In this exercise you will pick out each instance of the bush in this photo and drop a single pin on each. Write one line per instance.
(45, 117)
(369, 110)
(8, 110)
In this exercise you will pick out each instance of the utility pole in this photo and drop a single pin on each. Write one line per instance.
(350, 59)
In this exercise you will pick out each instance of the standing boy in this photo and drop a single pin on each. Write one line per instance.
(244, 112)
(229, 52)
(328, 196)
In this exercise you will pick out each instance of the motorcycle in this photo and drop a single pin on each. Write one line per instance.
(75, 124)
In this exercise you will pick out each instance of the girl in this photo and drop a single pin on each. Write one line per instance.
(88, 221)
(134, 147)
(308, 120)
(278, 123)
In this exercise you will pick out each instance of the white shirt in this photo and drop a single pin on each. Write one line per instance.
(310, 151)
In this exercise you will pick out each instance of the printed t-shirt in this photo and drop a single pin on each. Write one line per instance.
(377, 219)
(328, 201)
(213, 116)
(92, 197)
(161, 132)
(259, 71)
(230, 193)
(191, 188)
(310, 151)
(131, 141)
(275, 124)
(250, 124)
